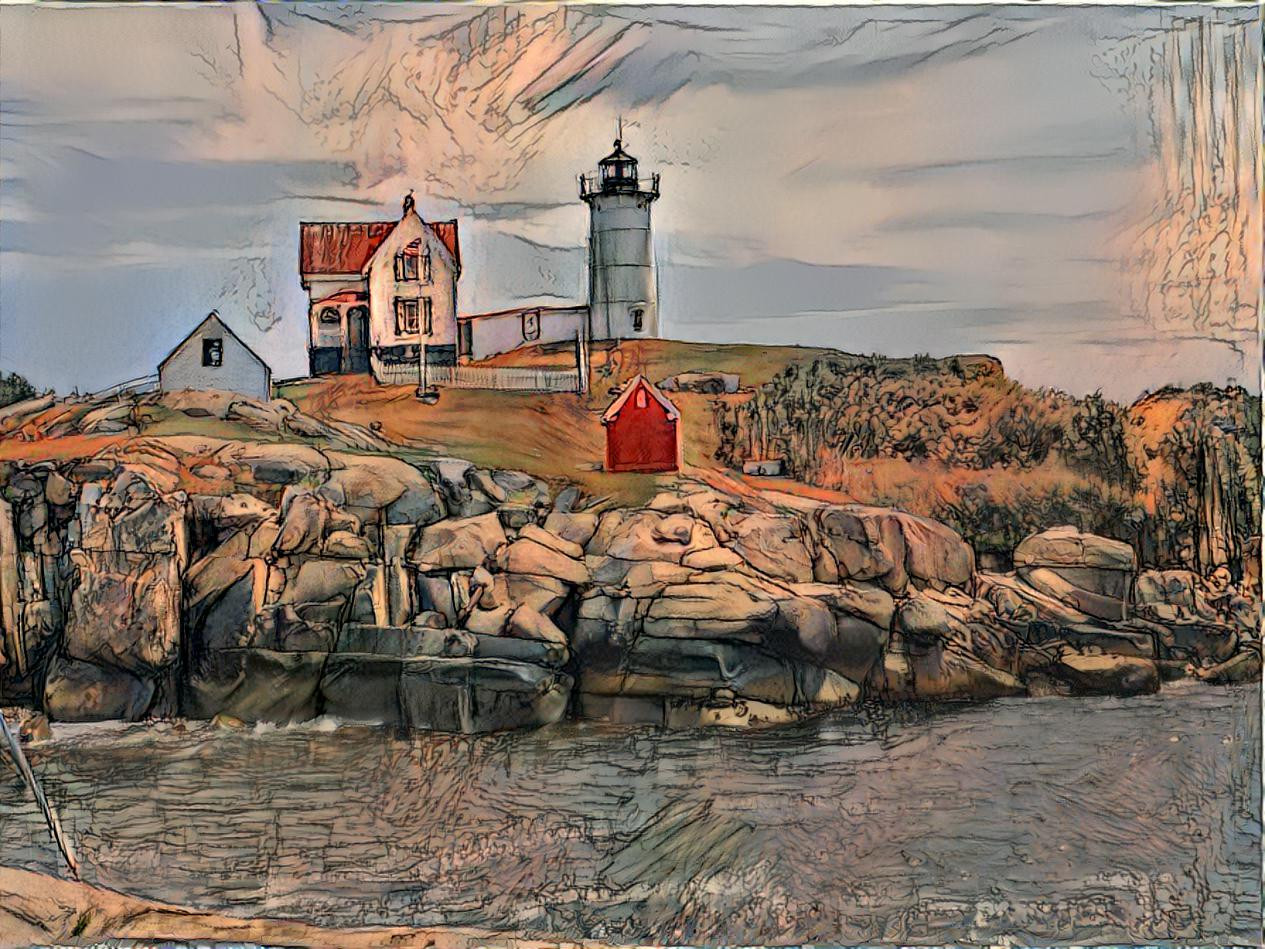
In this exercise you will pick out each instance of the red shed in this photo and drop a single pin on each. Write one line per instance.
(641, 430)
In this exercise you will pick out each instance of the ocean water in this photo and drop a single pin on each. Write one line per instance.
(1021, 821)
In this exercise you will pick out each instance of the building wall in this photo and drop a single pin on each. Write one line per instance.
(503, 332)
(621, 267)
(384, 289)
(328, 334)
(240, 369)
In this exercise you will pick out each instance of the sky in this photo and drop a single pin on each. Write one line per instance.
(1072, 189)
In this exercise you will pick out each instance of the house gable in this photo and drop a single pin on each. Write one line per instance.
(237, 367)
(635, 383)
(409, 228)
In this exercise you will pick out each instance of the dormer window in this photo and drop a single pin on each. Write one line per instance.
(406, 262)
(640, 399)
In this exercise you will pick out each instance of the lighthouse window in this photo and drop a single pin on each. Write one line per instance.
(638, 319)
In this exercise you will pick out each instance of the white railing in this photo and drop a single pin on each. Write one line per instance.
(137, 386)
(505, 378)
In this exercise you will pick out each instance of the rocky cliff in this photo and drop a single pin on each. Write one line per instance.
(312, 570)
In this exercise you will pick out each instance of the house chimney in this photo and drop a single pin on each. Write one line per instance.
(408, 202)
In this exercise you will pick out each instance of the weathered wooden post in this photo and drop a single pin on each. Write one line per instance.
(50, 816)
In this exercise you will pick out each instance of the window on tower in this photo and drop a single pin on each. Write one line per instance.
(638, 319)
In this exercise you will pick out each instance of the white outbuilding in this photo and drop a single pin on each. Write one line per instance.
(213, 357)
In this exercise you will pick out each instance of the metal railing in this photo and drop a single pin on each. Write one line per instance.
(594, 184)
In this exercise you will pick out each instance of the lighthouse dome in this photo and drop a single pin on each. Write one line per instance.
(618, 167)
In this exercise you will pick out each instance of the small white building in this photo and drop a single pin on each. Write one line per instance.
(213, 357)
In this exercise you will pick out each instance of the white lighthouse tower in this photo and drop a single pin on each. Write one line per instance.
(623, 299)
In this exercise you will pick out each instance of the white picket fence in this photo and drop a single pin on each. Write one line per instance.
(505, 378)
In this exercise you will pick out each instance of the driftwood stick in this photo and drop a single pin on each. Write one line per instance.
(50, 816)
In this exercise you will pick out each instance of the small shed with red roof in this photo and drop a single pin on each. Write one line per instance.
(642, 431)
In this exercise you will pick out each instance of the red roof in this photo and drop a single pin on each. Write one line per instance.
(345, 248)
(446, 231)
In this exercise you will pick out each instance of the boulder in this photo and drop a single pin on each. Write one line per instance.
(701, 380)
(221, 614)
(76, 691)
(604, 624)
(322, 581)
(416, 642)
(305, 519)
(1121, 641)
(372, 483)
(125, 610)
(1090, 573)
(863, 600)
(481, 480)
(480, 695)
(1107, 675)
(489, 622)
(713, 558)
(60, 490)
(542, 554)
(1068, 547)
(773, 544)
(543, 594)
(715, 605)
(276, 462)
(848, 639)
(256, 685)
(1167, 595)
(1200, 642)
(460, 499)
(943, 670)
(345, 545)
(362, 688)
(231, 512)
(892, 548)
(650, 578)
(649, 535)
(528, 623)
(1242, 667)
(578, 528)
(698, 668)
(129, 515)
(458, 544)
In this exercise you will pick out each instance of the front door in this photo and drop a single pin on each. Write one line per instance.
(358, 339)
